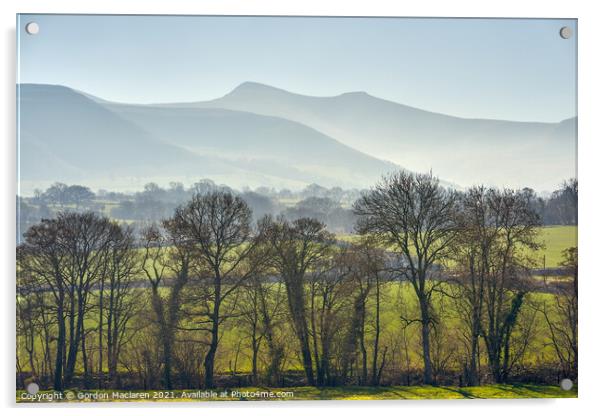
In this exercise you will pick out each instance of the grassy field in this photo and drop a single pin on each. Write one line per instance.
(555, 239)
(500, 391)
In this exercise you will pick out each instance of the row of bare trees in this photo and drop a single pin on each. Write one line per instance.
(171, 305)
(61, 266)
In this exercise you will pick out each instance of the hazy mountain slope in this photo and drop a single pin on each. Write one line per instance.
(73, 137)
(65, 136)
(462, 150)
(272, 145)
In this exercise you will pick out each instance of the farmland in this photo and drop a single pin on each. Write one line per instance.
(213, 298)
(555, 239)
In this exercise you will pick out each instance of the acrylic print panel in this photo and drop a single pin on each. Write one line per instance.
(295, 208)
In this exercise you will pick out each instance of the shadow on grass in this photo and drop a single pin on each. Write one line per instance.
(464, 393)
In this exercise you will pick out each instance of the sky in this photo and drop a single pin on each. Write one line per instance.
(512, 69)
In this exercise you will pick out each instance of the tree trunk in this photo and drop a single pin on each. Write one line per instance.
(426, 346)
(325, 360)
(167, 361)
(297, 310)
(110, 339)
(473, 376)
(255, 348)
(364, 376)
(316, 351)
(74, 341)
(307, 360)
(60, 346)
(163, 336)
(375, 369)
(100, 334)
(275, 351)
(210, 357)
(84, 355)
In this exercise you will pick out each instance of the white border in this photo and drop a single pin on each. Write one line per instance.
(590, 136)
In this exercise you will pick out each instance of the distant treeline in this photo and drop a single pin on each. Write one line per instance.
(437, 288)
(331, 206)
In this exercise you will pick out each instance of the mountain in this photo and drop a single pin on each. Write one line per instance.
(71, 136)
(65, 136)
(258, 135)
(465, 151)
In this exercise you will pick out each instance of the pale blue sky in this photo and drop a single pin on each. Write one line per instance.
(487, 68)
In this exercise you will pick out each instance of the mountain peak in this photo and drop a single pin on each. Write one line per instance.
(251, 86)
(355, 94)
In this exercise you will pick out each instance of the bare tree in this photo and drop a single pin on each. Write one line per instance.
(367, 264)
(86, 239)
(167, 252)
(66, 254)
(29, 314)
(218, 225)
(271, 301)
(482, 227)
(506, 281)
(329, 291)
(296, 249)
(414, 215)
(355, 340)
(260, 309)
(267, 299)
(116, 302)
(250, 316)
(561, 316)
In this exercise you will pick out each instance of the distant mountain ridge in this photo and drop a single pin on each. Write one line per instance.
(72, 136)
(258, 135)
(498, 152)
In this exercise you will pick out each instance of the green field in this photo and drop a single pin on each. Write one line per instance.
(499, 391)
(556, 239)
